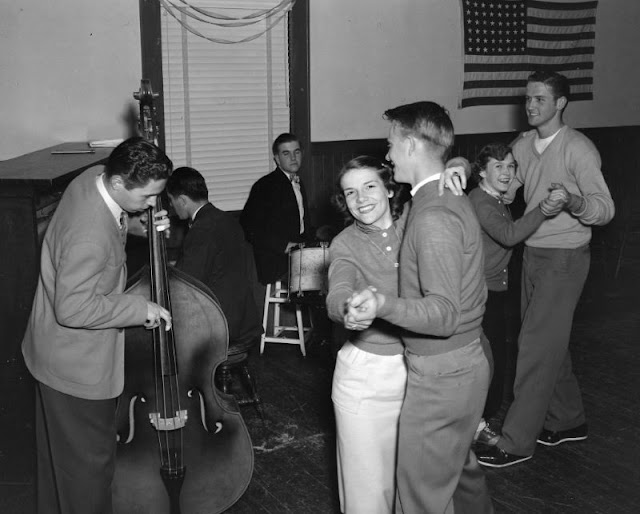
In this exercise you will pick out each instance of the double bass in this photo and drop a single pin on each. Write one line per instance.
(183, 447)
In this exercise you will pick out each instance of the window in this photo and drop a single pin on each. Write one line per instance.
(224, 104)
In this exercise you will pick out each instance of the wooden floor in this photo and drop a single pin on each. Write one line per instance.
(294, 450)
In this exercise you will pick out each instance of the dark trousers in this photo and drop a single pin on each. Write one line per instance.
(494, 325)
(76, 449)
(546, 392)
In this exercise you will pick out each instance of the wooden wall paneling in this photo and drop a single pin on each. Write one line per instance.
(618, 147)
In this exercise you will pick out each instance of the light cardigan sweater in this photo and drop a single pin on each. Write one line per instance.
(500, 234)
(359, 257)
(573, 160)
(74, 341)
(442, 285)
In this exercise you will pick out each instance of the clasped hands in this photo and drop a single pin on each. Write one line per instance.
(556, 200)
(361, 308)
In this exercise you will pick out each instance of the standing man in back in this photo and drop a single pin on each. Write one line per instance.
(276, 215)
(547, 406)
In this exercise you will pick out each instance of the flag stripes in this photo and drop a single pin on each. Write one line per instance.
(504, 40)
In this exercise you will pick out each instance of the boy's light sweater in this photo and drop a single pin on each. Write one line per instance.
(573, 160)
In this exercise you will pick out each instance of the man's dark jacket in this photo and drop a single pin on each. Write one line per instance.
(215, 252)
(270, 220)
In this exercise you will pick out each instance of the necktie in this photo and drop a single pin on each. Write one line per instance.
(123, 226)
(295, 182)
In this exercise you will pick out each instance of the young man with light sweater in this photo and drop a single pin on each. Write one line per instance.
(547, 407)
(442, 296)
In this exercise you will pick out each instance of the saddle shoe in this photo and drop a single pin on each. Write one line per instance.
(551, 438)
(496, 457)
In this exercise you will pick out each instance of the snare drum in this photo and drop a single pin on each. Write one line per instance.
(308, 269)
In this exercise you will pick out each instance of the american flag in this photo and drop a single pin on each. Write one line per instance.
(505, 40)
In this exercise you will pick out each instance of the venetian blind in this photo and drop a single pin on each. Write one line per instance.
(224, 104)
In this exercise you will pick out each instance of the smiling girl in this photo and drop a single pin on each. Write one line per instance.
(494, 170)
(370, 375)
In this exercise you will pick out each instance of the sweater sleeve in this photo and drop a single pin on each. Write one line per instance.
(343, 275)
(583, 162)
(438, 244)
(502, 229)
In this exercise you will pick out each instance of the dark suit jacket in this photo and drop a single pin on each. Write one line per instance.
(270, 220)
(215, 252)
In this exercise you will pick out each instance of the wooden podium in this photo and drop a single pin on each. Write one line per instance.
(30, 188)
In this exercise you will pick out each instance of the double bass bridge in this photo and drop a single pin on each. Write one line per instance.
(167, 424)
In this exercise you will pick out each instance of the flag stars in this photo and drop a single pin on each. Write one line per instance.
(497, 26)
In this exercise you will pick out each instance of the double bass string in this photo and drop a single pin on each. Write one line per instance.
(167, 391)
(174, 389)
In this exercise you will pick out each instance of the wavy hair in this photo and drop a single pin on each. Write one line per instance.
(497, 151)
(400, 191)
(138, 161)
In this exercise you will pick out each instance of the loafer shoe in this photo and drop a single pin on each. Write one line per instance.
(550, 438)
(487, 436)
(495, 457)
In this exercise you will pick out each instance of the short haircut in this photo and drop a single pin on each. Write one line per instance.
(497, 151)
(138, 161)
(396, 202)
(426, 121)
(282, 139)
(189, 182)
(556, 82)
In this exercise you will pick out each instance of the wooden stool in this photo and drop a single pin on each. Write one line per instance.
(237, 357)
(274, 297)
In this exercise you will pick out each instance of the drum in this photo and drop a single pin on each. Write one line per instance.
(308, 267)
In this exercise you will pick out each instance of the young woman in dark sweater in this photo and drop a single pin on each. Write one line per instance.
(494, 170)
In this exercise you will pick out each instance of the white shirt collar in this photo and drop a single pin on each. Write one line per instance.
(415, 188)
(549, 138)
(542, 144)
(193, 216)
(288, 175)
(115, 209)
(497, 196)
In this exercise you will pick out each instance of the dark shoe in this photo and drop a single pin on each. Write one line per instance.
(549, 438)
(487, 436)
(495, 457)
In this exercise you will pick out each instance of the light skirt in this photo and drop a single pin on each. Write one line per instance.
(367, 394)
